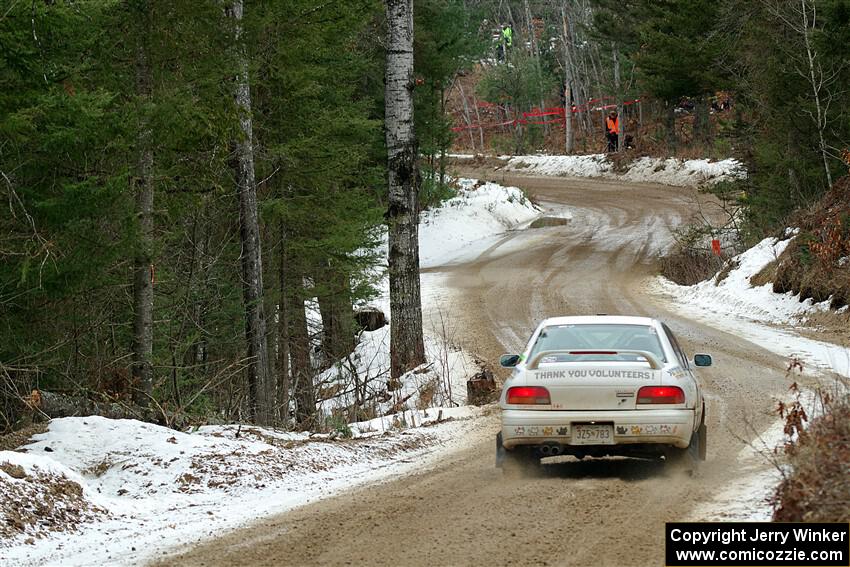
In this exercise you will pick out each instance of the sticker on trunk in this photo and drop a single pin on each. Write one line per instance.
(647, 429)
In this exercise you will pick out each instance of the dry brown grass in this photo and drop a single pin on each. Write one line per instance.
(766, 275)
(817, 489)
(15, 439)
(688, 267)
(815, 264)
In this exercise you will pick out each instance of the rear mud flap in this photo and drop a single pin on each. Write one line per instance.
(702, 435)
(500, 451)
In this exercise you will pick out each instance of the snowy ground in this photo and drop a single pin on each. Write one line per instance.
(467, 224)
(95, 491)
(757, 313)
(669, 171)
(146, 488)
(767, 319)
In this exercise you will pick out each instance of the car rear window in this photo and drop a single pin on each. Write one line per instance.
(604, 336)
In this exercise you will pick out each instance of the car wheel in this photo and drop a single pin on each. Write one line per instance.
(685, 460)
(500, 451)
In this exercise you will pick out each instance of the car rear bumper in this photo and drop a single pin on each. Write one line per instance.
(631, 427)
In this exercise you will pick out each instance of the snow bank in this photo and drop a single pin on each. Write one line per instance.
(463, 225)
(670, 171)
(39, 496)
(440, 382)
(140, 489)
(735, 294)
(756, 313)
(594, 165)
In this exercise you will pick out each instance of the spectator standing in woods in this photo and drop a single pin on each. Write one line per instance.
(507, 41)
(612, 130)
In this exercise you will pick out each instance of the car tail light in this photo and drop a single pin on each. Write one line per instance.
(661, 395)
(528, 395)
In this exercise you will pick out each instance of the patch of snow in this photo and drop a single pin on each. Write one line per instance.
(735, 295)
(39, 495)
(440, 382)
(756, 312)
(594, 165)
(669, 171)
(161, 488)
(465, 225)
(747, 499)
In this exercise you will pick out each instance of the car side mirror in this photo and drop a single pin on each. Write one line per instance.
(702, 359)
(509, 360)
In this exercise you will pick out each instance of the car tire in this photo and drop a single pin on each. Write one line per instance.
(687, 460)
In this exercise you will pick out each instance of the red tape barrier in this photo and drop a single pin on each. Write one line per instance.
(538, 113)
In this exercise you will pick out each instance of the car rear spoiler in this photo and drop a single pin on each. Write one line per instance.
(653, 361)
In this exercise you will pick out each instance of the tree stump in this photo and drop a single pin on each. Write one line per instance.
(370, 318)
(481, 389)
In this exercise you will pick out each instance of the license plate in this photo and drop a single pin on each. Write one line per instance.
(592, 434)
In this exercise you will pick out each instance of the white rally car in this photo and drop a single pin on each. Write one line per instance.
(599, 386)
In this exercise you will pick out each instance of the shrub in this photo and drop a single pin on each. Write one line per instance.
(688, 266)
(817, 487)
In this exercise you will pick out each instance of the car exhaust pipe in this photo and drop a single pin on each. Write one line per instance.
(555, 450)
(545, 450)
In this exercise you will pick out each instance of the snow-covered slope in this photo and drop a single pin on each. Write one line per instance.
(463, 225)
(120, 492)
(670, 171)
(765, 318)
(756, 312)
(736, 295)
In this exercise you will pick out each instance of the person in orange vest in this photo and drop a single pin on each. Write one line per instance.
(612, 130)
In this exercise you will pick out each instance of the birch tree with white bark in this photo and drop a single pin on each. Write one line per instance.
(407, 349)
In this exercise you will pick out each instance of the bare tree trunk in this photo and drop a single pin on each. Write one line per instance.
(467, 117)
(478, 120)
(620, 118)
(260, 386)
(337, 313)
(816, 85)
(143, 268)
(283, 378)
(299, 348)
(535, 51)
(670, 125)
(443, 142)
(407, 349)
(568, 84)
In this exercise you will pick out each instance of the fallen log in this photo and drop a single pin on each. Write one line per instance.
(54, 405)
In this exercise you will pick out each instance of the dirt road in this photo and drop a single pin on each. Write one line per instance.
(592, 512)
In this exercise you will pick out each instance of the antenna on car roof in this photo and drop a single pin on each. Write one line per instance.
(601, 314)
